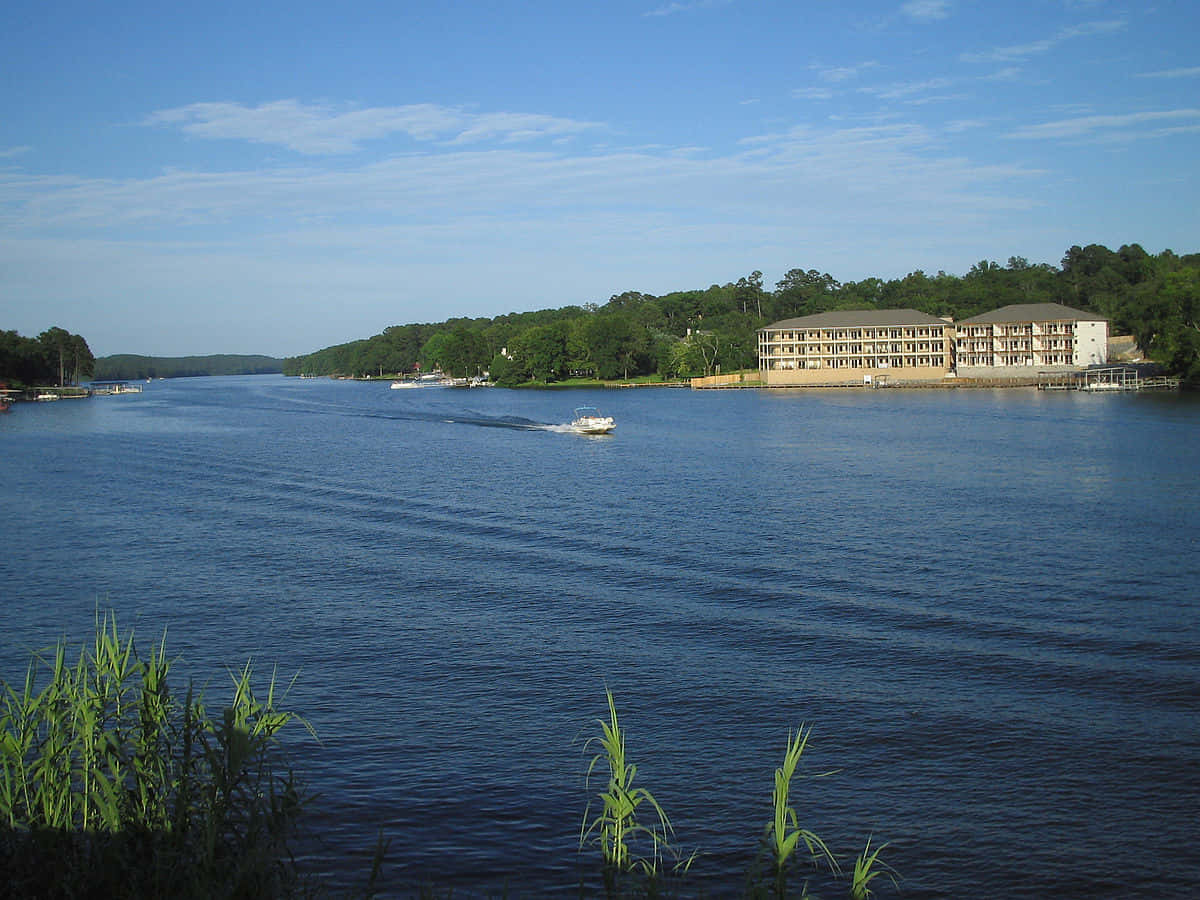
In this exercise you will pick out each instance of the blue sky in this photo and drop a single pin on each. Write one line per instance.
(279, 177)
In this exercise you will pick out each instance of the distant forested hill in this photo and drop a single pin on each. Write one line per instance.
(127, 366)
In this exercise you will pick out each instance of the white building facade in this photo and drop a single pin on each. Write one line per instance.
(1030, 337)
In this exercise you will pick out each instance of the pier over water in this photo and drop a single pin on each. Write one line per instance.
(1117, 378)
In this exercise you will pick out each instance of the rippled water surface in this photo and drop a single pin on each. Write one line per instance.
(985, 603)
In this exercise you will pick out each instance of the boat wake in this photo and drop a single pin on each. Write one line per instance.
(516, 423)
(480, 421)
(449, 417)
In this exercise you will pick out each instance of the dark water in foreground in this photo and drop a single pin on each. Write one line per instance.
(986, 604)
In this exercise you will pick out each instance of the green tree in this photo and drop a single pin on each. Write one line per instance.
(1084, 270)
(503, 372)
(749, 293)
(461, 351)
(579, 358)
(676, 312)
(708, 344)
(1176, 341)
(1034, 283)
(865, 294)
(56, 344)
(436, 352)
(685, 359)
(613, 343)
(804, 293)
(22, 359)
(716, 302)
(739, 348)
(627, 301)
(83, 363)
(541, 352)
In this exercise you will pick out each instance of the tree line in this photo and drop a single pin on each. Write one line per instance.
(54, 357)
(1155, 298)
(129, 366)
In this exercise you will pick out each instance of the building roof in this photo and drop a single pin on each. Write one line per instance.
(1033, 312)
(854, 318)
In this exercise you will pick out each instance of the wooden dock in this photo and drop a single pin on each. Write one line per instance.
(105, 388)
(1117, 379)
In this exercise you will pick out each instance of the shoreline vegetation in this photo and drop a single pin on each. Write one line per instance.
(749, 379)
(132, 367)
(1155, 299)
(115, 784)
(1152, 298)
(56, 358)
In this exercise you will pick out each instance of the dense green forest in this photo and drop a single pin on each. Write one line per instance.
(57, 357)
(54, 357)
(126, 366)
(1155, 298)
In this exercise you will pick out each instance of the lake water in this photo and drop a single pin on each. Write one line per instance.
(984, 602)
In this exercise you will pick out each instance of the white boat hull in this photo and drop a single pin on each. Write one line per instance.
(593, 425)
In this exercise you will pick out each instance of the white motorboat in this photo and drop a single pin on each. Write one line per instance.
(401, 384)
(589, 421)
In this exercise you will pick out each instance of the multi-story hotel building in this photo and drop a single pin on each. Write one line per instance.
(856, 347)
(1034, 335)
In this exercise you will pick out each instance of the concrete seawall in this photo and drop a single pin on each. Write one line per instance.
(727, 382)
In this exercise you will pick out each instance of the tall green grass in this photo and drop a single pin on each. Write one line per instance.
(784, 833)
(112, 785)
(628, 842)
(634, 835)
(867, 867)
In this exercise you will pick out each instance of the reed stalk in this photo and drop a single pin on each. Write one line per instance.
(112, 786)
(783, 833)
(617, 829)
(867, 867)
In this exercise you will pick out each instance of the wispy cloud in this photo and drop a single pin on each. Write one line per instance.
(444, 184)
(315, 129)
(926, 10)
(264, 238)
(1086, 29)
(1018, 52)
(1127, 126)
(901, 155)
(906, 89)
(1191, 72)
(1008, 73)
(832, 75)
(684, 6)
(836, 74)
(935, 98)
(958, 126)
(10, 152)
(515, 127)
